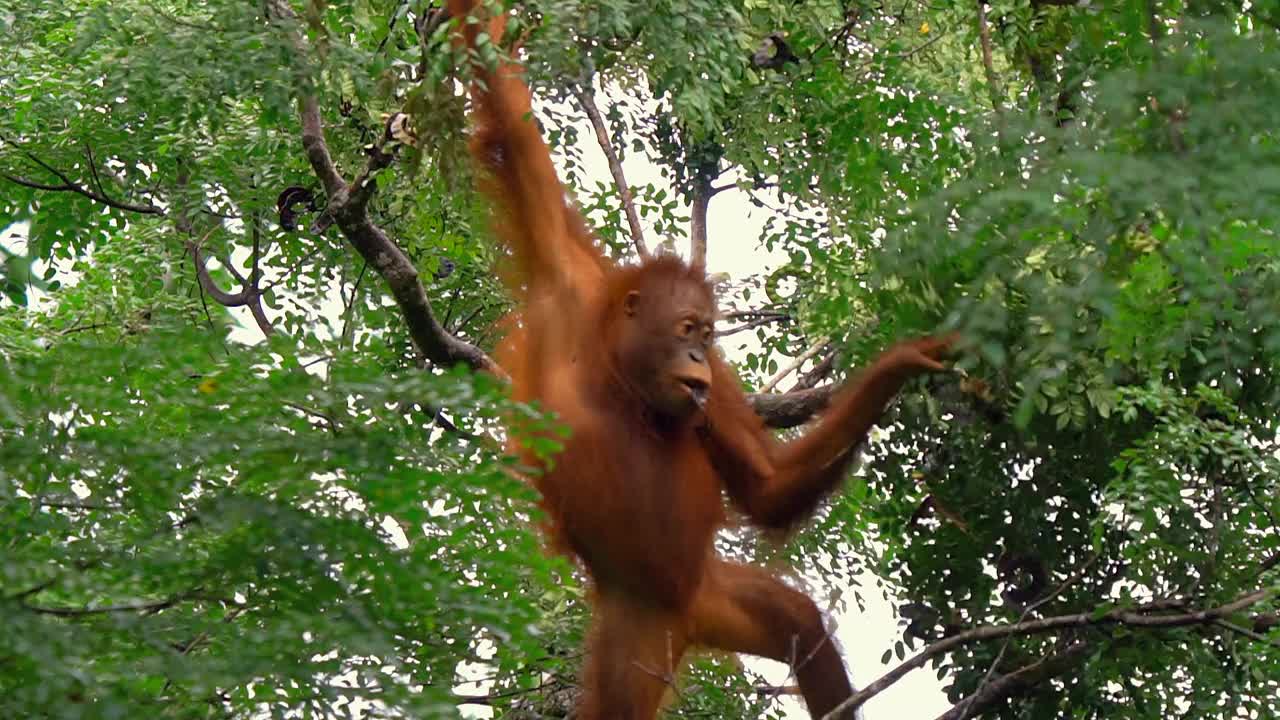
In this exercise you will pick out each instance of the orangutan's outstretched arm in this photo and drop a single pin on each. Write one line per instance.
(779, 484)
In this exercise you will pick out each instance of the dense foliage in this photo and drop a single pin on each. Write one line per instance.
(246, 467)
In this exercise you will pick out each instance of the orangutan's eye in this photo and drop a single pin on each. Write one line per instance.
(686, 328)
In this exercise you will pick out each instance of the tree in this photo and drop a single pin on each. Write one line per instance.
(247, 466)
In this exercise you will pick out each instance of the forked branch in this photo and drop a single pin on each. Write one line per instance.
(1152, 616)
(348, 207)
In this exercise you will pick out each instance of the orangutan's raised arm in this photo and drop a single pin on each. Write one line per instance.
(547, 237)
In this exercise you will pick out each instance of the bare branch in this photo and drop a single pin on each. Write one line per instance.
(1251, 634)
(1139, 617)
(702, 194)
(795, 364)
(348, 207)
(384, 256)
(220, 296)
(754, 314)
(253, 284)
(963, 709)
(818, 373)
(78, 505)
(69, 185)
(584, 95)
(125, 607)
(35, 185)
(752, 325)
(317, 150)
(984, 34)
(148, 606)
(93, 169)
(34, 589)
(1019, 680)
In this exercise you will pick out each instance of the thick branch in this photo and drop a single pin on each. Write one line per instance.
(1136, 617)
(384, 256)
(585, 98)
(818, 373)
(317, 150)
(788, 410)
(220, 296)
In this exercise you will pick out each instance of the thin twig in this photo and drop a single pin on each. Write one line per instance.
(794, 365)
(751, 325)
(69, 185)
(1258, 637)
(583, 93)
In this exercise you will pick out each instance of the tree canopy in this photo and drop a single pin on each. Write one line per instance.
(249, 456)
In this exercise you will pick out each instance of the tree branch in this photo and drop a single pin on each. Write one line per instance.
(755, 314)
(818, 373)
(313, 143)
(747, 326)
(1135, 617)
(69, 185)
(254, 284)
(348, 206)
(385, 257)
(148, 606)
(78, 505)
(35, 185)
(795, 364)
(585, 97)
(988, 66)
(220, 296)
(701, 201)
(788, 410)
(1271, 562)
(125, 607)
(1251, 634)
(1018, 681)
